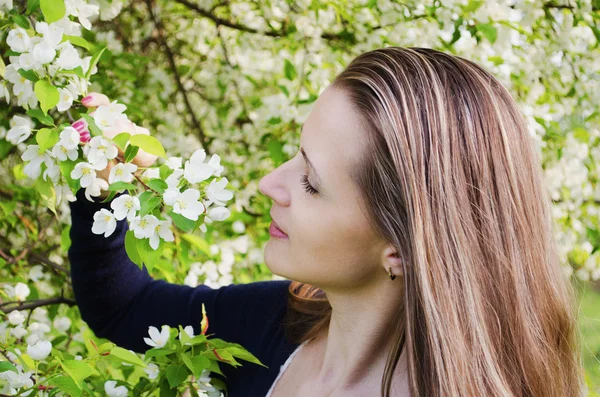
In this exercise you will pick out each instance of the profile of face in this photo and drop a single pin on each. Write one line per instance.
(330, 243)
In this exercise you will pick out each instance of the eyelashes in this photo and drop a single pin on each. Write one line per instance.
(307, 186)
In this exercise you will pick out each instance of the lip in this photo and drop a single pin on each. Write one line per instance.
(275, 231)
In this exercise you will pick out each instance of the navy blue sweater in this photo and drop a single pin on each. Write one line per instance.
(119, 302)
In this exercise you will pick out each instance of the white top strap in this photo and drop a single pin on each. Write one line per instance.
(285, 365)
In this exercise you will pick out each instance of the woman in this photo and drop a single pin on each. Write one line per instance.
(415, 222)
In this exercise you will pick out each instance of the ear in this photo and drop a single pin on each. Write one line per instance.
(391, 258)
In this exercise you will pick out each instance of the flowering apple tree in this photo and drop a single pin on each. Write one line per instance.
(235, 78)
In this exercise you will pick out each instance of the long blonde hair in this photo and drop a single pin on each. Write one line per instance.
(451, 177)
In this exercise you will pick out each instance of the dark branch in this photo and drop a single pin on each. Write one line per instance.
(171, 57)
(36, 303)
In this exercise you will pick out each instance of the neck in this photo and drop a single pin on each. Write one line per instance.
(359, 338)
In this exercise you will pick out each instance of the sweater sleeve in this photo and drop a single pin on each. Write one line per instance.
(119, 301)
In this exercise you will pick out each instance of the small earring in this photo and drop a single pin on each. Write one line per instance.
(391, 275)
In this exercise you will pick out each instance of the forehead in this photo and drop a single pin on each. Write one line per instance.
(332, 136)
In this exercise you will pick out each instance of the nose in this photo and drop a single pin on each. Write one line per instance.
(275, 185)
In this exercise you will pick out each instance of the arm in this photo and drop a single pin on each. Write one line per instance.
(119, 301)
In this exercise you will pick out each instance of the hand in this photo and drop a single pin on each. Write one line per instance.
(142, 159)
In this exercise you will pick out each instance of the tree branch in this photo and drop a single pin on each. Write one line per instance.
(171, 58)
(25, 305)
(237, 26)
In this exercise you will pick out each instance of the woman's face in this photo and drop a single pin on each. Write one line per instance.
(329, 242)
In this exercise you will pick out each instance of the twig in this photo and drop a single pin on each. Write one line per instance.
(38, 303)
(234, 25)
(171, 57)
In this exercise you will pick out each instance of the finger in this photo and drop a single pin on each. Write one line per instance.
(95, 99)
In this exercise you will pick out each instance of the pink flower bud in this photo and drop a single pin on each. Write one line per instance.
(84, 136)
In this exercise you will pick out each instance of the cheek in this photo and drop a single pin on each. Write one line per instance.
(331, 248)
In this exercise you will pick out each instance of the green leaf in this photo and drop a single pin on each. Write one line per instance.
(289, 70)
(53, 10)
(47, 193)
(489, 31)
(121, 140)
(65, 169)
(148, 205)
(110, 196)
(78, 41)
(185, 224)
(115, 186)
(158, 184)
(198, 242)
(176, 374)
(148, 144)
(149, 256)
(47, 94)
(94, 129)
(131, 248)
(93, 62)
(199, 364)
(77, 370)
(65, 238)
(46, 138)
(157, 352)
(2, 67)
(29, 75)
(6, 366)
(78, 71)
(65, 384)
(32, 5)
(244, 354)
(41, 117)
(130, 153)
(276, 151)
(127, 356)
(20, 20)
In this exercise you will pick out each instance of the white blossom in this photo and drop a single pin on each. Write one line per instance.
(40, 350)
(86, 172)
(18, 40)
(106, 115)
(33, 168)
(217, 193)
(196, 170)
(63, 324)
(100, 151)
(162, 230)
(238, 227)
(189, 330)
(112, 391)
(20, 130)
(173, 162)
(66, 100)
(170, 195)
(16, 317)
(21, 291)
(125, 206)
(188, 205)
(67, 145)
(218, 213)
(152, 371)
(63, 191)
(122, 172)
(94, 189)
(158, 339)
(144, 227)
(173, 179)
(104, 222)
(18, 332)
